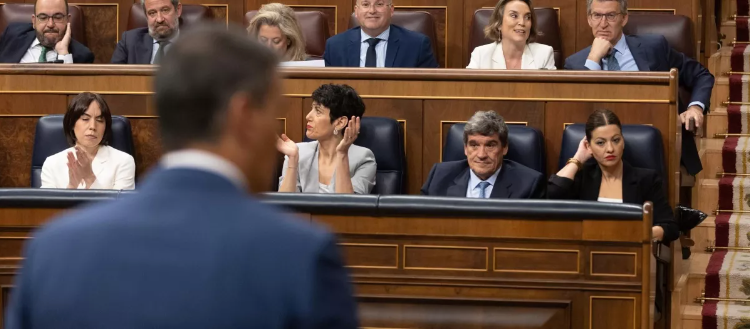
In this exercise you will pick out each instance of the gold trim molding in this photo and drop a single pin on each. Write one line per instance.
(635, 263)
(577, 252)
(486, 258)
(351, 244)
(591, 307)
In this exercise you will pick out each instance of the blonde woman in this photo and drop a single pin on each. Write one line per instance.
(513, 28)
(276, 26)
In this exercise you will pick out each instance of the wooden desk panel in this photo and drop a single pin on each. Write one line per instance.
(474, 272)
(424, 102)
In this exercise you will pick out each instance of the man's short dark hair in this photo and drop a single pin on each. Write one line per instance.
(342, 100)
(198, 77)
(77, 107)
(486, 123)
(67, 10)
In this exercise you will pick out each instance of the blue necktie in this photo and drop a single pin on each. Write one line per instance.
(482, 187)
(371, 59)
(612, 63)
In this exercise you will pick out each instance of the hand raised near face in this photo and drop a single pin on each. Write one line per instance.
(350, 135)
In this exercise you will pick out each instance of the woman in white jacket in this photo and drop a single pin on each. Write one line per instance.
(513, 28)
(89, 163)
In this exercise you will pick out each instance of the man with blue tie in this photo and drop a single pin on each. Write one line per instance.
(485, 174)
(377, 42)
(192, 248)
(614, 51)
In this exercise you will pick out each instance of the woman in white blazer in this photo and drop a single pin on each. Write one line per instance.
(513, 28)
(331, 164)
(89, 163)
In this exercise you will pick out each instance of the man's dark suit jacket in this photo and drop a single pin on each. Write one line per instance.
(652, 53)
(405, 49)
(18, 37)
(188, 250)
(135, 47)
(638, 186)
(515, 181)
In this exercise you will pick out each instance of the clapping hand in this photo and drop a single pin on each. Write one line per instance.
(287, 146)
(79, 168)
(350, 135)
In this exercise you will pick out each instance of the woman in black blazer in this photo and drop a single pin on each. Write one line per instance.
(610, 179)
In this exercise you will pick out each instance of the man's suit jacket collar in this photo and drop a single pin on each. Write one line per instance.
(355, 40)
(593, 175)
(187, 180)
(638, 52)
(145, 48)
(501, 189)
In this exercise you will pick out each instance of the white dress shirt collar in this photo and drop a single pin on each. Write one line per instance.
(205, 161)
(474, 181)
(382, 36)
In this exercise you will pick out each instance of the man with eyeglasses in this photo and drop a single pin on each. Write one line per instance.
(377, 42)
(46, 39)
(614, 51)
(148, 45)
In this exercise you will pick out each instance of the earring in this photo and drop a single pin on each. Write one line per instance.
(335, 132)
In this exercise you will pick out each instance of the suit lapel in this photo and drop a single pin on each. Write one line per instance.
(102, 156)
(145, 49)
(27, 39)
(354, 48)
(390, 53)
(460, 184)
(498, 58)
(527, 60)
(639, 54)
(310, 180)
(629, 185)
(503, 183)
(592, 183)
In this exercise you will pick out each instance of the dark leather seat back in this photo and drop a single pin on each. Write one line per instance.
(547, 25)
(643, 146)
(21, 13)
(525, 146)
(417, 21)
(50, 139)
(314, 26)
(191, 15)
(383, 136)
(677, 29)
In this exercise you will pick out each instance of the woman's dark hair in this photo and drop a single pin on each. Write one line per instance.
(77, 107)
(601, 118)
(342, 100)
(492, 30)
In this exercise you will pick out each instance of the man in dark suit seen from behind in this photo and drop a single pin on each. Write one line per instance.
(46, 39)
(485, 174)
(192, 248)
(378, 43)
(614, 51)
(148, 45)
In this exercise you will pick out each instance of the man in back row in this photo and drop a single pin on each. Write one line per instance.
(377, 42)
(614, 51)
(485, 174)
(148, 45)
(46, 39)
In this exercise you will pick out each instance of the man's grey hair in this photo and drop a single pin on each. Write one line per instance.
(174, 4)
(623, 5)
(486, 123)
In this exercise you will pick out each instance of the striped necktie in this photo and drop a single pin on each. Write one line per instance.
(612, 63)
(482, 189)
(43, 55)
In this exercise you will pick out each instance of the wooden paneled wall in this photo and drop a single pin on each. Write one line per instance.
(106, 20)
(426, 102)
